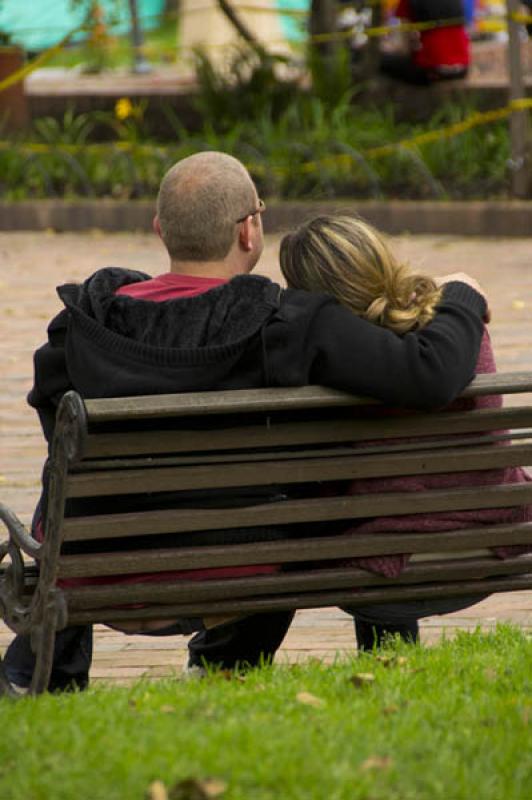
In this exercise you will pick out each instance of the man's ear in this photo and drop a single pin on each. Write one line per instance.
(157, 226)
(245, 235)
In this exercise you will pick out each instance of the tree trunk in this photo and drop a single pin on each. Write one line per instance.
(14, 111)
(242, 29)
(323, 22)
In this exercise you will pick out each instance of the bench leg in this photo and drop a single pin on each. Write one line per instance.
(43, 640)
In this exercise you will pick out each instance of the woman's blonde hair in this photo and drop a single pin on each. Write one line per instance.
(346, 257)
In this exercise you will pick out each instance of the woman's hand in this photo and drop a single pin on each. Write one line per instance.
(463, 277)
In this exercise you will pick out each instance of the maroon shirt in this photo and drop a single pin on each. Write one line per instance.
(392, 565)
(169, 286)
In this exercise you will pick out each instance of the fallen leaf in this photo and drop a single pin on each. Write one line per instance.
(527, 714)
(231, 675)
(518, 305)
(157, 791)
(377, 762)
(214, 787)
(490, 674)
(362, 679)
(167, 709)
(386, 661)
(196, 789)
(391, 709)
(309, 699)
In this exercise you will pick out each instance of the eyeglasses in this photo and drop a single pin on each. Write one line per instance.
(259, 210)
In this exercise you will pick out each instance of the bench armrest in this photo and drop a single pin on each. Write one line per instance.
(18, 533)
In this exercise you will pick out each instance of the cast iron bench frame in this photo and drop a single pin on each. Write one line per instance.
(254, 438)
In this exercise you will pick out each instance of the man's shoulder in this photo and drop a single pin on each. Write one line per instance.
(116, 276)
(106, 280)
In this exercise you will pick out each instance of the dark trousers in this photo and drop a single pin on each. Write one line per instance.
(402, 68)
(71, 662)
(250, 641)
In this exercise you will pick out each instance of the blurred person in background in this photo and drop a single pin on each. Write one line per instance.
(439, 52)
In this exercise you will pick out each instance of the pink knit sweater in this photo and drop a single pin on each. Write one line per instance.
(392, 565)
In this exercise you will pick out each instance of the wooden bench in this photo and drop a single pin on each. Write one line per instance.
(134, 454)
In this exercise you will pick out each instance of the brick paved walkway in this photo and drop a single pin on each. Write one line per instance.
(32, 264)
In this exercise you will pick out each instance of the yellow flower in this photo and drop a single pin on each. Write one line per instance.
(124, 108)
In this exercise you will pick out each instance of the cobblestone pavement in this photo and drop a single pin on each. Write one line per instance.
(32, 264)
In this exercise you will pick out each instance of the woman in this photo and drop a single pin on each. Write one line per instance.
(346, 257)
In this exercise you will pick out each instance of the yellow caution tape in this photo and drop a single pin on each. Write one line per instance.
(285, 12)
(474, 120)
(384, 30)
(95, 147)
(447, 132)
(519, 16)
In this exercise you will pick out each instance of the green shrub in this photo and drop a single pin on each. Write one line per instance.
(297, 143)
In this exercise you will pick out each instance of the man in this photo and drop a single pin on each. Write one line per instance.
(209, 324)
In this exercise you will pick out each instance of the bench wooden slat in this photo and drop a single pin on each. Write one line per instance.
(244, 400)
(350, 598)
(294, 511)
(316, 548)
(324, 450)
(283, 434)
(304, 580)
(297, 470)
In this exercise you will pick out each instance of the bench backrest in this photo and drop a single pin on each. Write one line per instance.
(136, 482)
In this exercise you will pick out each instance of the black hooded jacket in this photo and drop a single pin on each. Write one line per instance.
(243, 334)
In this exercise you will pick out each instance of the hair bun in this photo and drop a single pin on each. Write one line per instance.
(377, 311)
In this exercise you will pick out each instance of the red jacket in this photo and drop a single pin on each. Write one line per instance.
(437, 47)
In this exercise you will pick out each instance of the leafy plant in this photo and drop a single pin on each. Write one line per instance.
(71, 129)
(331, 76)
(246, 88)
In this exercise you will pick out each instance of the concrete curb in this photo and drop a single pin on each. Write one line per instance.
(475, 218)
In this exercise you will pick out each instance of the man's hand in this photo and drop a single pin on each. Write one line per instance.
(463, 277)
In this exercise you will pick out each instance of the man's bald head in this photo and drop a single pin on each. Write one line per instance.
(199, 202)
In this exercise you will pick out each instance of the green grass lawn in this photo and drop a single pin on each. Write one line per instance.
(450, 722)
